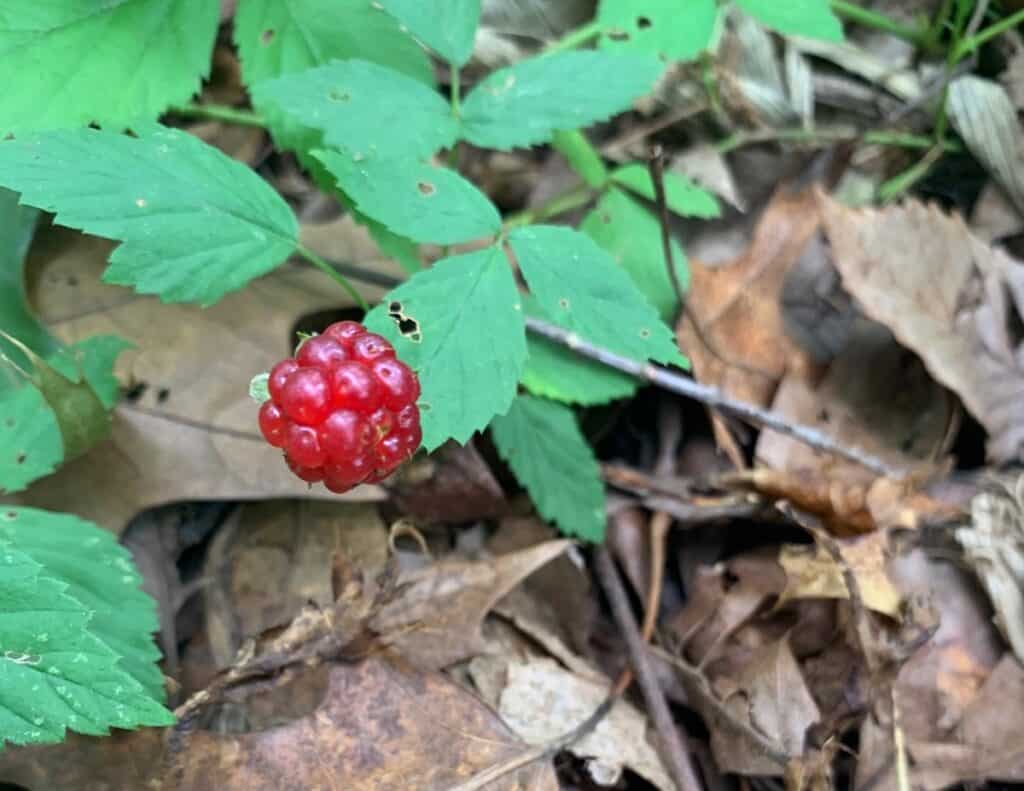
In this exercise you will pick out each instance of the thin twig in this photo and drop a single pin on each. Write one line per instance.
(656, 168)
(674, 750)
(712, 396)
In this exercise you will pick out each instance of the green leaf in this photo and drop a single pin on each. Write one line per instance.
(74, 62)
(555, 372)
(473, 345)
(364, 108)
(99, 574)
(405, 251)
(525, 104)
(446, 26)
(413, 198)
(30, 440)
(681, 195)
(55, 672)
(93, 359)
(542, 444)
(195, 223)
(579, 284)
(631, 235)
(811, 18)
(17, 225)
(671, 29)
(276, 37)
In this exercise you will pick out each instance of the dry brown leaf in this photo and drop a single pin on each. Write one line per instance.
(542, 701)
(435, 617)
(813, 573)
(191, 433)
(383, 726)
(453, 484)
(771, 696)
(945, 295)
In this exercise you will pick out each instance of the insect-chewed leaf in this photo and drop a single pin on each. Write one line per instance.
(276, 37)
(471, 343)
(413, 198)
(545, 449)
(446, 26)
(581, 287)
(195, 223)
(30, 441)
(653, 26)
(811, 18)
(68, 64)
(364, 108)
(526, 103)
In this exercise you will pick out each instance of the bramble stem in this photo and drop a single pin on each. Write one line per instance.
(826, 135)
(567, 201)
(219, 112)
(868, 18)
(455, 87)
(574, 38)
(334, 274)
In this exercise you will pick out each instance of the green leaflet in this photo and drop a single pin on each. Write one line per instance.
(71, 63)
(811, 18)
(343, 101)
(30, 440)
(671, 29)
(545, 449)
(57, 670)
(414, 199)
(525, 104)
(681, 195)
(195, 223)
(631, 235)
(473, 344)
(276, 37)
(446, 26)
(580, 286)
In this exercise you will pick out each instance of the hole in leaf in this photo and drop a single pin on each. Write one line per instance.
(395, 308)
(20, 458)
(410, 328)
(338, 96)
(563, 303)
(267, 36)
(645, 333)
(618, 34)
(425, 188)
(643, 22)
(10, 516)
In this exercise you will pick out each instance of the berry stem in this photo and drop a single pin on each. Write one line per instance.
(334, 274)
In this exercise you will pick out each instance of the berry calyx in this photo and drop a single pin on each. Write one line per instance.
(343, 410)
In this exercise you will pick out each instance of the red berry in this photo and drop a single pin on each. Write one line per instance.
(306, 396)
(308, 474)
(273, 423)
(344, 434)
(321, 352)
(370, 347)
(344, 332)
(341, 477)
(397, 381)
(353, 387)
(344, 410)
(278, 376)
(302, 446)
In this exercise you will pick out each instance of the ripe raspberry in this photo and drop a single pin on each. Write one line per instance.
(344, 409)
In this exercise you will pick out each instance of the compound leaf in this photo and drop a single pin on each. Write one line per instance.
(364, 108)
(471, 346)
(446, 26)
(811, 18)
(30, 439)
(543, 445)
(195, 223)
(71, 63)
(413, 198)
(525, 104)
(655, 26)
(581, 287)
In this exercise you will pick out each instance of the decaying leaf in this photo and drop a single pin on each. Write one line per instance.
(994, 546)
(771, 696)
(435, 617)
(814, 573)
(945, 295)
(542, 701)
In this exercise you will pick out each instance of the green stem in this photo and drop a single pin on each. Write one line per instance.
(902, 182)
(575, 38)
(873, 19)
(334, 274)
(567, 201)
(455, 88)
(219, 112)
(967, 46)
(825, 135)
